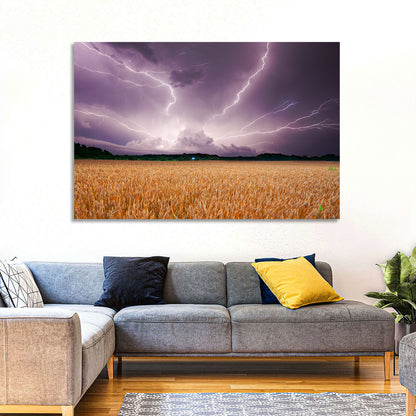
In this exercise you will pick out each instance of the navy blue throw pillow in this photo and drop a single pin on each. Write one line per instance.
(133, 281)
(267, 296)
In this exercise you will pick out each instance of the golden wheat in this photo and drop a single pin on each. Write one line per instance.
(205, 190)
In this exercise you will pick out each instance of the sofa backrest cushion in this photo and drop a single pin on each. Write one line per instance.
(77, 283)
(243, 285)
(196, 282)
(82, 283)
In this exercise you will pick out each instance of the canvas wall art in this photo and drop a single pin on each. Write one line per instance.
(208, 130)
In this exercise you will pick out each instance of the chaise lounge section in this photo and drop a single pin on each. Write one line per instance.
(54, 354)
(51, 357)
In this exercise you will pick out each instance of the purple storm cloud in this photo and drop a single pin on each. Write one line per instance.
(229, 99)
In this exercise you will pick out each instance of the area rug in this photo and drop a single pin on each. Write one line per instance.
(262, 404)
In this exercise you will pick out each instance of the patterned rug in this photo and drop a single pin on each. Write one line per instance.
(262, 404)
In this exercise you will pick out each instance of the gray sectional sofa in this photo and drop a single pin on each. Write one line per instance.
(53, 355)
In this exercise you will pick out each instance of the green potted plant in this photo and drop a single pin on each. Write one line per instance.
(400, 294)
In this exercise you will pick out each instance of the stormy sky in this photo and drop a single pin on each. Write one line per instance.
(228, 99)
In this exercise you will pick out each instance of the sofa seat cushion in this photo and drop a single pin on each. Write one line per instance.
(98, 339)
(346, 326)
(173, 329)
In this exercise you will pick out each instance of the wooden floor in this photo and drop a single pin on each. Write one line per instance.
(190, 375)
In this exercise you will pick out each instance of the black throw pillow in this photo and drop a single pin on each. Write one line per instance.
(133, 281)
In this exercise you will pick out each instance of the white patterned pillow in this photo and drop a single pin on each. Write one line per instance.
(17, 286)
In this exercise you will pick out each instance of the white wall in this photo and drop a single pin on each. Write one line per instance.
(378, 132)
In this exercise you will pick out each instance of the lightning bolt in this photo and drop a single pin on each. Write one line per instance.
(318, 125)
(159, 72)
(290, 126)
(140, 130)
(275, 111)
(247, 84)
(144, 73)
(127, 81)
(314, 112)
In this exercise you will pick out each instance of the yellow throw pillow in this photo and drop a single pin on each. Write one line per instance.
(296, 282)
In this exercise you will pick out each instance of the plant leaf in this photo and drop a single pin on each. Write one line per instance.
(412, 260)
(391, 297)
(398, 318)
(410, 303)
(392, 273)
(381, 303)
(382, 267)
(412, 257)
(404, 309)
(407, 290)
(406, 268)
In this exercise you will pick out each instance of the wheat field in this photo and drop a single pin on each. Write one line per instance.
(113, 189)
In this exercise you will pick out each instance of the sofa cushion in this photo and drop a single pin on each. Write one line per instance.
(196, 282)
(98, 339)
(96, 323)
(347, 326)
(77, 283)
(173, 329)
(98, 344)
(17, 286)
(267, 295)
(133, 281)
(243, 285)
(296, 282)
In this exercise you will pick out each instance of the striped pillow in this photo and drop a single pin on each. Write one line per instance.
(17, 286)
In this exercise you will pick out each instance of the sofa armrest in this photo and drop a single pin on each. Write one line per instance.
(407, 362)
(40, 356)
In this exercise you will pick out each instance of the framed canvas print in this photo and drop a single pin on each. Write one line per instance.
(206, 130)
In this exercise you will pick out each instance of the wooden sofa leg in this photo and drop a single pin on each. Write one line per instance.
(357, 359)
(387, 365)
(410, 403)
(67, 410)
(119, 361)
(110, 367)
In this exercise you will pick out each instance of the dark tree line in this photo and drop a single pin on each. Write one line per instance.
(85, 152)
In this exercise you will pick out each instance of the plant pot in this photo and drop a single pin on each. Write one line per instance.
(400, 331)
